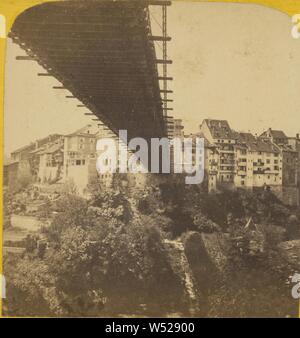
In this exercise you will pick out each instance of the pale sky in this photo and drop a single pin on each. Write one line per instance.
(230, 61)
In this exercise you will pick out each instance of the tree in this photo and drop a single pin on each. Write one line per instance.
(100, 259)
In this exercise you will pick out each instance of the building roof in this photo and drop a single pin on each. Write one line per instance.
(87, 131)
(274, 133)
(52, 149)
(81, 135)
(27, 147)
(33, 145)
(207, 144)
(38, 150)
(243, 139)
(287, 147)
(246, 137)
(278, 134)
(220, 129)
(256, 144)
(49, 137)
(9, 161)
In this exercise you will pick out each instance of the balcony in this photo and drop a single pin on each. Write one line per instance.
(227, 170)
(226, 151)
(227, 162)
(270, 171)
(258, 172)
(227, 156)
(241, 173)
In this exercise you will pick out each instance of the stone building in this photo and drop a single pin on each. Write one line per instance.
(175, 129)
(10, 172)
(108, 179)
(211, 159)
(289, 155)
(79, 153)
(294, 143)
(258, 162)
(289, 191)
(219, 133)
(25, 152)
(178, 128)
(51, 161)
(246, 161)
(28, 156)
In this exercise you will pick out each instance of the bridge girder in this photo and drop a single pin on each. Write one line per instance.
(103, 53)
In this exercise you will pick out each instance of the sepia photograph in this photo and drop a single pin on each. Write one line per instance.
(151, 161)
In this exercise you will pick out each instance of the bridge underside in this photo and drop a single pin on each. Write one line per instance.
(103, 53)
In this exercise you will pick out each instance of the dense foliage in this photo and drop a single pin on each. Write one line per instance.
(100, 259)
(120, 252)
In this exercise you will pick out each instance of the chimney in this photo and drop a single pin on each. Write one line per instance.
(269, 132)
(297, 136)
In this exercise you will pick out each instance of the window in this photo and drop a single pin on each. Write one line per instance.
(78, 162)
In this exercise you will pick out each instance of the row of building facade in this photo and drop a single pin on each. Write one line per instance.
(55, 159)
(242, 160)
(232, 159)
